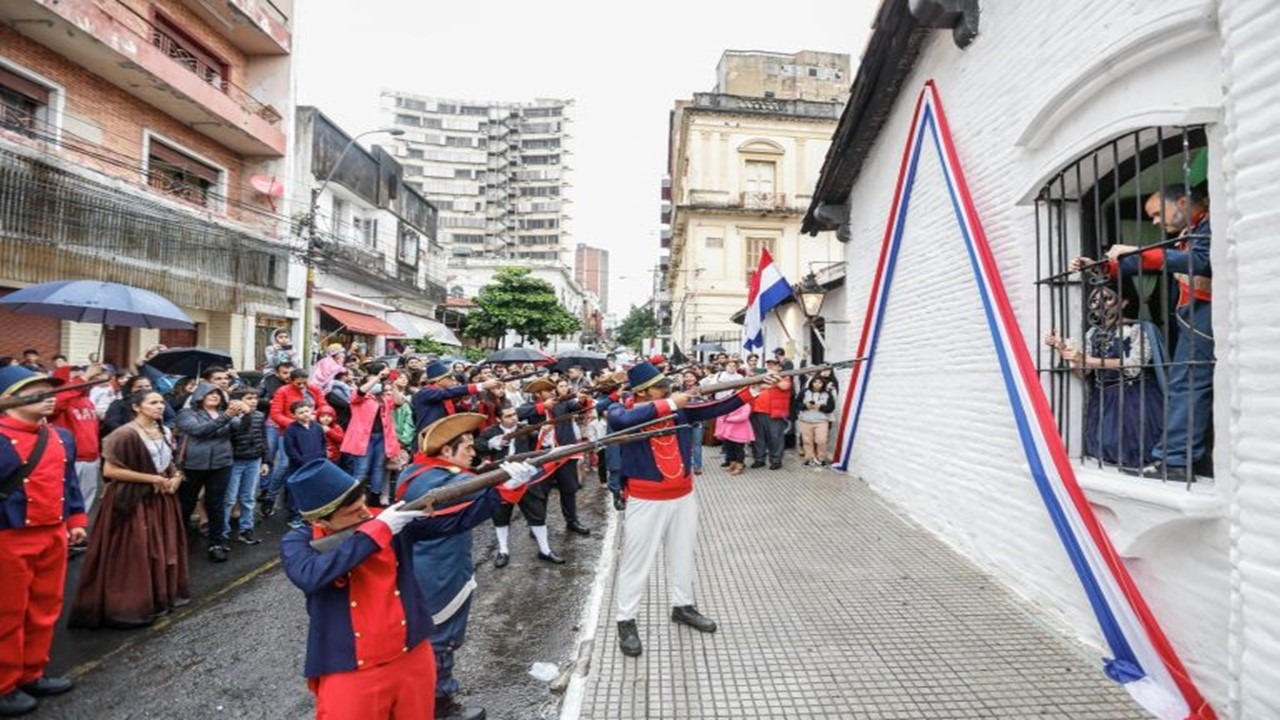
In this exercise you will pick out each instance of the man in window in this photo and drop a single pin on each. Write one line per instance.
(1181, 212)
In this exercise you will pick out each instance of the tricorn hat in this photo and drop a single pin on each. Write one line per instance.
(437, 434)
(542, 384)
(436, 370)
(318, 488)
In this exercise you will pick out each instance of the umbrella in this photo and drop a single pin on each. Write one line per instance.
(585, 359)
(708, 347)
(507, 356)
(93, 301)
(188, 361)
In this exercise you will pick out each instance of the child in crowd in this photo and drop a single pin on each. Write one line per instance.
(304, 441)
(249, 453)
(333, 433)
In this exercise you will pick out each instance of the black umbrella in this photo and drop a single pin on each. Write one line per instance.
(518, 355)
(585, 359)
(189, 362)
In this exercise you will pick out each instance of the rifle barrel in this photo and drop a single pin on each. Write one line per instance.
(757, 379)
(456, 491)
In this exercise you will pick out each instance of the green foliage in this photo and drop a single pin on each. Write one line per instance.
(635, 327)
(518, 301)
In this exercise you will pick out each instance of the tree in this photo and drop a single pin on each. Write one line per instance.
(637, 326)
(518, 301)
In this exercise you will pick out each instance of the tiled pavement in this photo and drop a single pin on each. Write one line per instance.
(830, 605)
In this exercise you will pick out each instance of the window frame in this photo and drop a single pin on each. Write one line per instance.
(215, 194)
(49, 114)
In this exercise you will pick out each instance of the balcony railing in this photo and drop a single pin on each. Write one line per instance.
(212, 75)
(754, 200)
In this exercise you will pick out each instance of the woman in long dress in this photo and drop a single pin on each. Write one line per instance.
(136, 567)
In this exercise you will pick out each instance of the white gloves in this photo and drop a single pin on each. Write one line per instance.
(521, 473)
(395, 518)
(495, 442)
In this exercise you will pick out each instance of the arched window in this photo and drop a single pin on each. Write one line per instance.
(1118, 381)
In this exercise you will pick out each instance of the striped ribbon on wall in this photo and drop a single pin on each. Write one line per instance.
(1143, 659)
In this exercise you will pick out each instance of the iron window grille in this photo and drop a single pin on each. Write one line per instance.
(1115, 410)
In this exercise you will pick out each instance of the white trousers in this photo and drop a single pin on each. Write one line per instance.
(648, 525)
(89, 473)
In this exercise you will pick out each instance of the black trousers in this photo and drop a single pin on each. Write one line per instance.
(769, 437)
(214, 482)
(565, 480)
(735, 451)
(533, 506)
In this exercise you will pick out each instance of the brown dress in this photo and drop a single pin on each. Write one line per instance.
(135, 568)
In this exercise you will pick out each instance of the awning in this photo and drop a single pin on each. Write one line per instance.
(416, 326)
(361, 323)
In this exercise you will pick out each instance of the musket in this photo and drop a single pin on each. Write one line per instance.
(521, 457)
(521, 376)
(14, 401)
(757, 379)
(452, 492)
(534, 427)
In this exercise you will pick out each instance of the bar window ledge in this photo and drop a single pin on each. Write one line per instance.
(1140, 515)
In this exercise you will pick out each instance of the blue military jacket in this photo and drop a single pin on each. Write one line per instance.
(432, 403)
(637, 457)
(442, 563)
(342, 630)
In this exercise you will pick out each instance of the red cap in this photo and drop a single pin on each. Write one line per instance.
(657, 359)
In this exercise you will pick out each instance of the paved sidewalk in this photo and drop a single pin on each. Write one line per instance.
(830, 605)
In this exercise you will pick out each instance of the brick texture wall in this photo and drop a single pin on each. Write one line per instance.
(936, 435)
(19, 331)
(117, 120)
(1245, 282)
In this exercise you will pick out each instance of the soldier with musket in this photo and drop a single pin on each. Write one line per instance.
(552, 404)
(660, 504)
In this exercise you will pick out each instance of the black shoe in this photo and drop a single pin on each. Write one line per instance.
(448, 709)
(217, 553)
(247, 538)
(725, 464)
(1158, 470)
(619, 502)
(268, 506)
(757, 464)
(17, 703)
(551, 557)
(501, 560)
(577, 527)
(46, 686)
(689, 615)
(629, 638)
(775, 466)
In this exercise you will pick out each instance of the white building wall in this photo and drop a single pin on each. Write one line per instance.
(1245, 273)
(1022, 102)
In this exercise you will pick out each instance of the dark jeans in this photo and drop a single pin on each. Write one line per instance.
(735, 451)
(769, 437)
(1190, 408)
(446, 638)
(214, 483)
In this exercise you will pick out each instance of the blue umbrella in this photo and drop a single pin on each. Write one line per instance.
(103, 303)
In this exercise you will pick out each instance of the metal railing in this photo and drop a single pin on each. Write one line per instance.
(754, 200)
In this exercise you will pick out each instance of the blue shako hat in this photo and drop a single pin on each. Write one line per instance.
(15, 377)
(643, 376)
(436, 370)
(318, 487)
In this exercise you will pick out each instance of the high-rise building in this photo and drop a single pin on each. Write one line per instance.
(495, 170)
(806, 75)
(591, 270)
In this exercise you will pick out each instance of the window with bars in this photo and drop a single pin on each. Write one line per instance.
(1124, 304)
(21, 103)
(179, 175)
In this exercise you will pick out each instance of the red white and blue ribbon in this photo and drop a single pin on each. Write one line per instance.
(1143, 659)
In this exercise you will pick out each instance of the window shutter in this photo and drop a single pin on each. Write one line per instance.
(32, 90)
(186, 163)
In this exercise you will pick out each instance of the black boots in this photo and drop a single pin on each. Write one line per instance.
(17, 703)
(448, 709)
(23, 700)
(629, 638)
(689, 615)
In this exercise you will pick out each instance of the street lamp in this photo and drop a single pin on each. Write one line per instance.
(313, 238)
(811, 294)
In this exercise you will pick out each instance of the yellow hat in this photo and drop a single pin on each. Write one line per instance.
(439, 433)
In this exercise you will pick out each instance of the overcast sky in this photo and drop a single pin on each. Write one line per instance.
(623, 65)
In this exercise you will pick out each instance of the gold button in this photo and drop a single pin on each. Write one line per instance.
(402, 622)
(357, 634)
(397, 593)
(24, 482)
(353, 603)
(359, 663)
(406, 648)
